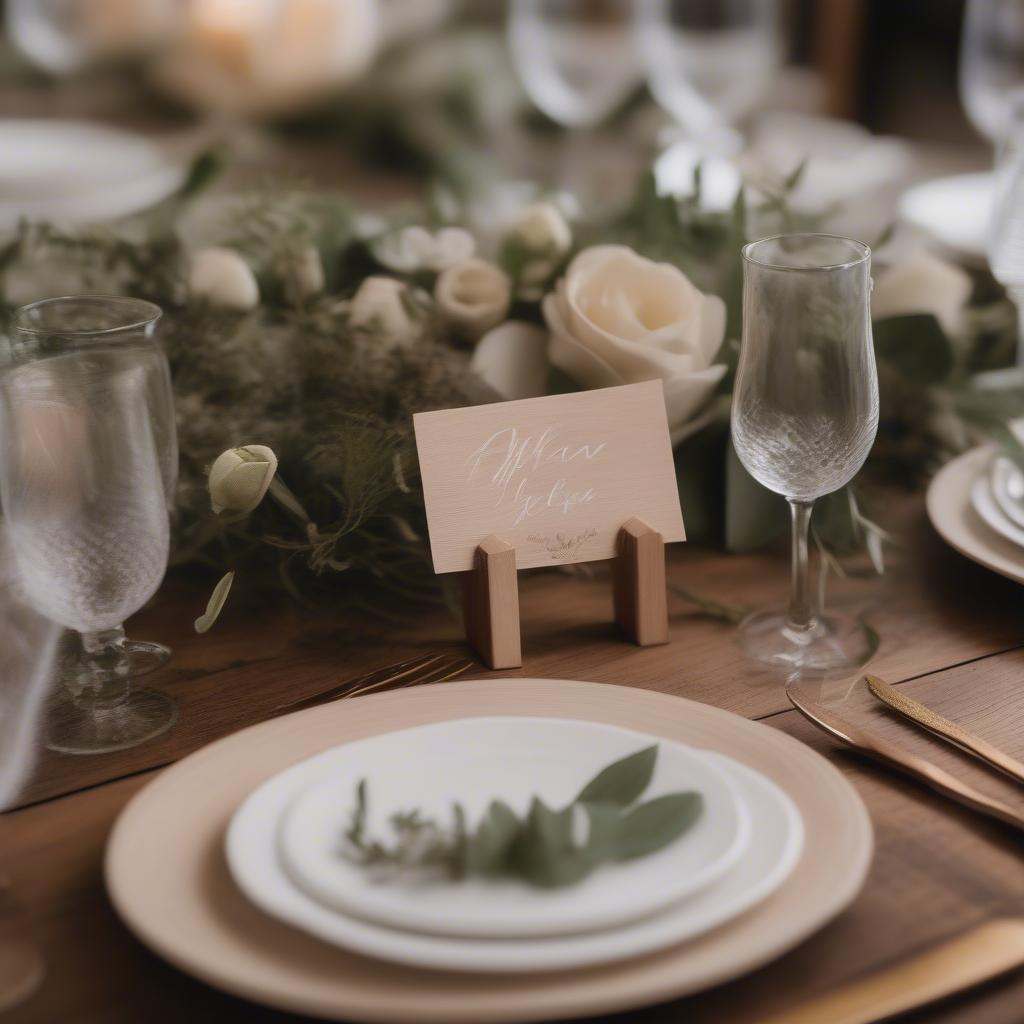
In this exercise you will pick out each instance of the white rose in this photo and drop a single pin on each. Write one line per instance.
(513, 359)
(239, 478)
(543, 233)
(416, 248)
(923, 284)
(473, 296)
(222, 278)
(617, 318)
(383, 305)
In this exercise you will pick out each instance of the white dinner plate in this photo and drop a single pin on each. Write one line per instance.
(79, 171)
(955, 211)
(776, 829)
(474, 761)
(956, 520)
(1007, 484)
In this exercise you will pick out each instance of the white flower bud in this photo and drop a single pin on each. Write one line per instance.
(473, 296)
(240, 477)
(382, 304)
(222, 278)
(542, 229)
(413, 249)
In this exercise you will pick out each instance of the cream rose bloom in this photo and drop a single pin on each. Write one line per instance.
(923, 284)
(618, 318)
(382, 304)
(473, 296)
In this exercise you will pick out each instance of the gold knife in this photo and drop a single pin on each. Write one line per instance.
(979, 954)
(943, 727)
(888, 753)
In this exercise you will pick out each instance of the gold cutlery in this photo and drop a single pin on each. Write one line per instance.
(431, 668)
(944, 728)
(888, 753)
(979, 954)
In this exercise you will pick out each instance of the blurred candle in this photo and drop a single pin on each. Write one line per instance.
(269, 55)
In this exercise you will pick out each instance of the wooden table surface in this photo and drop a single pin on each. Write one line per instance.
(950, 635)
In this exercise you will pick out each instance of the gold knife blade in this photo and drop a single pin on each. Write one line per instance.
(978, 955)
(917, 767)
(944, 728)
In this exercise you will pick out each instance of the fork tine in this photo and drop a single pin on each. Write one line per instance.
(389, 673)
(432, 674)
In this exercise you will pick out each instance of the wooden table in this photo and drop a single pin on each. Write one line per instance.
(950, 634)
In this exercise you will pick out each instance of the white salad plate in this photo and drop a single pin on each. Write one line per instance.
(955, 211)
(778, 840)
(1007, 484)
(984, 502)
(79, 171)
(474, 761)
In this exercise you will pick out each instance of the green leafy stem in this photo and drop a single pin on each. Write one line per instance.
(547, 848)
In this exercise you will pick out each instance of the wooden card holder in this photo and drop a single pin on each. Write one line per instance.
(490, 594)
(638, 581)
(490, 604)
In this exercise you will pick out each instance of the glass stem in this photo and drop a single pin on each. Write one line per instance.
(801, 608)
(103, 678)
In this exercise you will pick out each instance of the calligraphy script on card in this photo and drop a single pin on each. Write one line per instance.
(554, 477)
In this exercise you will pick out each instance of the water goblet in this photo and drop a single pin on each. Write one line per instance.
(86, 472)
(992, 64)
(804, 417)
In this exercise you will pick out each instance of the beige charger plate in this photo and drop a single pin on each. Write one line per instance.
(167, 876)
(954, 518)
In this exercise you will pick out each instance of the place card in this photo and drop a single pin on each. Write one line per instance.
(554, 477)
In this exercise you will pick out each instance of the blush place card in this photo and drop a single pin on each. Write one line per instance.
(554, 477)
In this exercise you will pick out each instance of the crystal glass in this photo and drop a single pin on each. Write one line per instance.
(992, 63)
(577, 61)
(87, 470)
(1006, 229)
(804, 415)
(709, 62)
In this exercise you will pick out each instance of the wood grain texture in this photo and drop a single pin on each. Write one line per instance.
(490, 605)
(638, 584)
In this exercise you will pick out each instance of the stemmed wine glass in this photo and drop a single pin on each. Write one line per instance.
(577, 61)
(1006, 228)
(804, 416)
(709, 62)
(87, 470)
(992, 64)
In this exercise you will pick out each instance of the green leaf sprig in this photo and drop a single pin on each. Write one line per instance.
(546, 847)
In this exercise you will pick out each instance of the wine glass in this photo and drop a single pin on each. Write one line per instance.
(577, 61)
(87, 470)
(709, 62)
(804, 416)
(992, 63)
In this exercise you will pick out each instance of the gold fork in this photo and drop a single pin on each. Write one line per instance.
(430, 668)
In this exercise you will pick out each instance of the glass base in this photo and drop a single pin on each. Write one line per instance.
(142, 716)
(21, 973)
(831, 643)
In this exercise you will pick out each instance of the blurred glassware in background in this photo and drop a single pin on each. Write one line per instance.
(64, 36)
(992, 63)
(1006, 228)
(709, 63)
(804, 417)
(87, 475)
(577, 61)
(241, 57)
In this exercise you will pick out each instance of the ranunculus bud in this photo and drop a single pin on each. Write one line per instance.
(222, 278)
(474, 296)
(382, 304)
(240, 477)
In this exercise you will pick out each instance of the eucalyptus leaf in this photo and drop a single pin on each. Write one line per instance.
(653, 825)
(623, 781)
(495, 835)
(604, 823)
